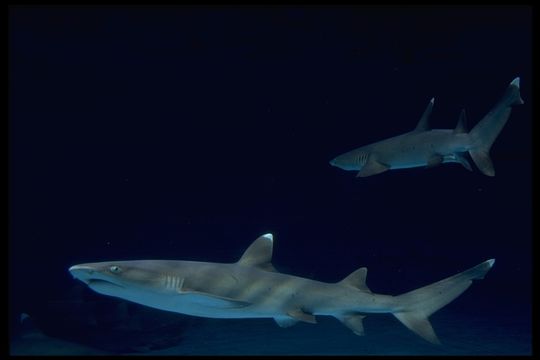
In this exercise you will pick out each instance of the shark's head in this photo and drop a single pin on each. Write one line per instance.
(121, 278)
(352, 160)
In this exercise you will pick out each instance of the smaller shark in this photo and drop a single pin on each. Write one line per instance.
(425, 147)
(252, 288)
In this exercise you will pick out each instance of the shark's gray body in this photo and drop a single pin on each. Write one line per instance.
(429, 147)
(252, 288)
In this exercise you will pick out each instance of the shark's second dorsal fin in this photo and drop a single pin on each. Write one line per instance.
(461, 126)
(357, 279)
(423, 124)
(259, 253)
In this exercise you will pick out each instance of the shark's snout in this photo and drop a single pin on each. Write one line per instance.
(342, 163)
(82, 272)
(334, 162)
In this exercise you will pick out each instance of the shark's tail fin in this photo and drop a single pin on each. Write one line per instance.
(415, 307)
(486, 131)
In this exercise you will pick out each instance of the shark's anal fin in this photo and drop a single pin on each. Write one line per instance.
(434, 160)
(354, 322)
(372, 167)
(460, 158)
(213, 301)
(300, 315)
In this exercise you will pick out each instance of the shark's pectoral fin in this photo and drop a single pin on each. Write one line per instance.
(354, 322)
(434, 160)
(300, 315)
(285, 321)
(372, 167)
(213, 301)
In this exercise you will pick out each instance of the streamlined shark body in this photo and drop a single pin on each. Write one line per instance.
(252, 288)
(430, 147)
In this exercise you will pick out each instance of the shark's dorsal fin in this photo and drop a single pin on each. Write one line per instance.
(461, 126)
(357, 279)
(423, 124)
(259, 253)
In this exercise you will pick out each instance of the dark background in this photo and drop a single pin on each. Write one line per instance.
(187, 132)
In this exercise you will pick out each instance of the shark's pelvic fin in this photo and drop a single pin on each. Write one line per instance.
(423, 124)
(357, 279)
(301, 315)
(354, 322)
(259, 253)
(372, 167)
(461, 127)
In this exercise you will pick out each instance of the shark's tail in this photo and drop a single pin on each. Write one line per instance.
(415, 307)
(486, 131)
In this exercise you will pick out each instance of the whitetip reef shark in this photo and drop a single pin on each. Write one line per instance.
(430, 147)
(252, 288)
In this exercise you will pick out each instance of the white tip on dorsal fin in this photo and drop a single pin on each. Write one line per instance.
(357, 279)
(259, 253)
(423, 124)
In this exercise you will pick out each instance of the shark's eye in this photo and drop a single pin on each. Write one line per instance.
(115, 269)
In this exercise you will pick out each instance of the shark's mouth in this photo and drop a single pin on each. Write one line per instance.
(100, 283)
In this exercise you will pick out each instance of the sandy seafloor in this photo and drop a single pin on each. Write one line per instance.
(460, 334)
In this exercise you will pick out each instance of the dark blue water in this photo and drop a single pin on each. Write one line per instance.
(186, 133)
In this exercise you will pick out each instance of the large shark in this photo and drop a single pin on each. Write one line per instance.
(252, 288)
(425, 147)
